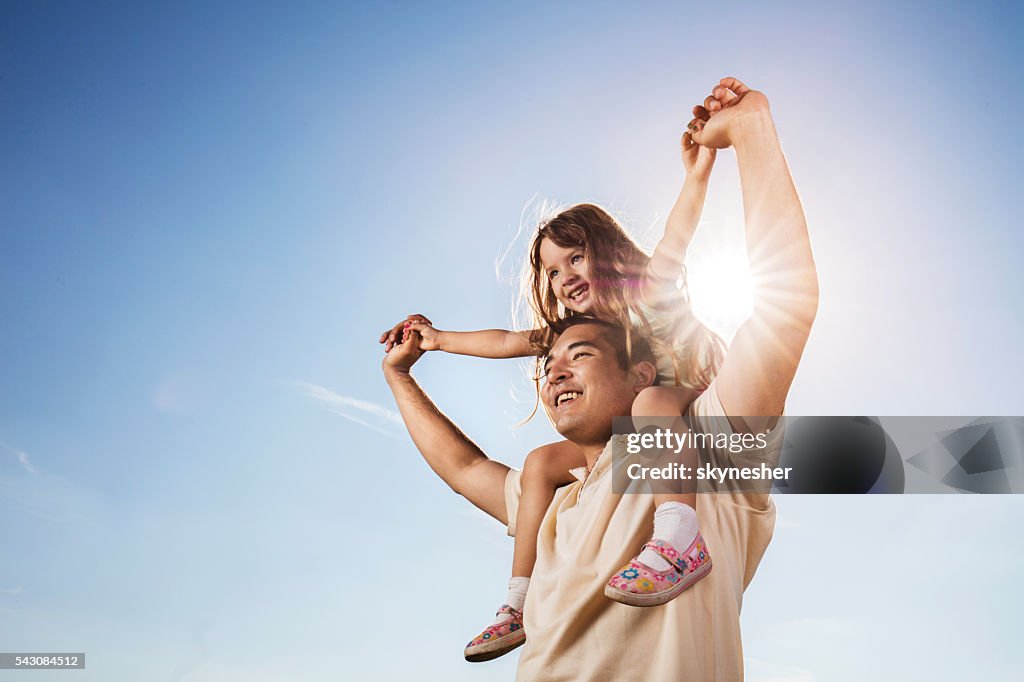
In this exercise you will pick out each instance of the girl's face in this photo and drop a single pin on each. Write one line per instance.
(569, 274)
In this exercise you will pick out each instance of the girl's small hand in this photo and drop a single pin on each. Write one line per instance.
(430, 338)
(394, 335)
(697, 159)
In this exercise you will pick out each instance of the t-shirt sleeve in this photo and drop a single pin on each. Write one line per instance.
(707, 415)
(513, 491)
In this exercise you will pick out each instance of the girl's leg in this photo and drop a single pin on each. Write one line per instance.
(663, 406)
(677, 546)
(545, 469)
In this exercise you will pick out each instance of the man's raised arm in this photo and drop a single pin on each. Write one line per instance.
(452, 455)
(763, 357)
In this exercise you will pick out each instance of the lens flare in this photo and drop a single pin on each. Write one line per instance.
(720, 288)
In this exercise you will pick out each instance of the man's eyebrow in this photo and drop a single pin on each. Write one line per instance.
(572, 346)
(577, 344)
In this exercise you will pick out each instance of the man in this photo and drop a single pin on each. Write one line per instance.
(573, 631)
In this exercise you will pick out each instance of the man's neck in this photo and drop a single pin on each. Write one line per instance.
(592, 451)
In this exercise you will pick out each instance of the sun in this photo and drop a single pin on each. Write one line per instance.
(720, 288)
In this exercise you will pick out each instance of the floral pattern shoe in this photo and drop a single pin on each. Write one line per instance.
(498, 639)
(637, 584)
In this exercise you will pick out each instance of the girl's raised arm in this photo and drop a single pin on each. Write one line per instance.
(667, 262)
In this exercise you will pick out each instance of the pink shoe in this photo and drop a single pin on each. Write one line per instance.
(497, 640)
(637, 584)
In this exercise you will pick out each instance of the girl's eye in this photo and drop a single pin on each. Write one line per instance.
(553, 274)
(576, 259)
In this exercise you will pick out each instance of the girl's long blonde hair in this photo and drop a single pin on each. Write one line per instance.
(617, 265)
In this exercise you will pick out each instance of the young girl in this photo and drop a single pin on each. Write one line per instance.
(583, 262)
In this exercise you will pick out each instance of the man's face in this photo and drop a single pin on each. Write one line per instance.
(585, 385)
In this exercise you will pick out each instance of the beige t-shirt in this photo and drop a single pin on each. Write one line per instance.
(575, 633)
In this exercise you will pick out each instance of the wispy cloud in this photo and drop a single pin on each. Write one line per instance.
(10, 590)
(780, 644)
(25, 463)
(45, 495)
(363, 412)
(22, 458)
(183, 392)
(768, 671)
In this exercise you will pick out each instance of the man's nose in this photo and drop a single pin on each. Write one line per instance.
(558, 373)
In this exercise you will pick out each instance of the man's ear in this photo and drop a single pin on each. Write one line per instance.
(644, 374)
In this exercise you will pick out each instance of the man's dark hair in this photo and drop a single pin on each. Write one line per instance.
(630, 347)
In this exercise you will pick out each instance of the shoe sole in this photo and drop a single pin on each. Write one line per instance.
(658, 598)
(495, 649)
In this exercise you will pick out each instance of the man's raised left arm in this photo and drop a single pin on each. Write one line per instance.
(447, 450)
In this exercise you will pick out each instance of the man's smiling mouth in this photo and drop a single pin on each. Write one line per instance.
(567, 397)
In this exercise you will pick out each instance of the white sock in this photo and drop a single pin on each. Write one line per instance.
(676, 524)
(516, 596)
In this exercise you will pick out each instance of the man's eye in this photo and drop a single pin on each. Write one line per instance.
(579, 355)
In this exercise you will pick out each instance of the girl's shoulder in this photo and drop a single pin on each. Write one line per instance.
(659, 303)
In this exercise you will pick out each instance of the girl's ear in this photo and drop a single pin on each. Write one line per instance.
(644, 374)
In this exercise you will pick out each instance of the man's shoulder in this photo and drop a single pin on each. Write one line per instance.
(707, 404)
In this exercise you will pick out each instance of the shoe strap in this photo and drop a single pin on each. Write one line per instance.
(506, 609)
(678, 562)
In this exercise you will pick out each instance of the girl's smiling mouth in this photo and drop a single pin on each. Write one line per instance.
(579, 293)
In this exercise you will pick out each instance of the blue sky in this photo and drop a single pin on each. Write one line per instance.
(208, 214)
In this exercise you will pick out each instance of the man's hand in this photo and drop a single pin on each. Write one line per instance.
(453, 456)
(394, 335)
(697, 159)
(404, 355)
(730, 106)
